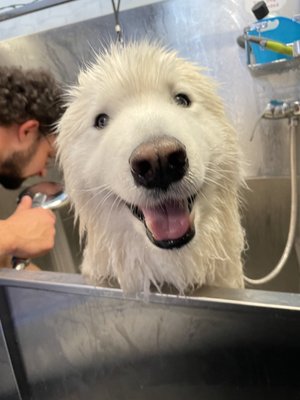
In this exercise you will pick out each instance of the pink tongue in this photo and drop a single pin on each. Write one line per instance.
(168, 221)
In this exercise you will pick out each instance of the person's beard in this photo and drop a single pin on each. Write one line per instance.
(11, 168)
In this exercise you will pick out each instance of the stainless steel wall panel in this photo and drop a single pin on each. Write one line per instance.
(81, 342)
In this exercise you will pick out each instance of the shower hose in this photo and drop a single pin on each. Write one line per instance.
(293, 123)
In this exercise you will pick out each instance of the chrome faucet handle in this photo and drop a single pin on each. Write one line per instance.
(296, 108)
(278, 109)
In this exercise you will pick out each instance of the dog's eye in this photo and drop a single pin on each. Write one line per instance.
(182, 100)
(101, 121)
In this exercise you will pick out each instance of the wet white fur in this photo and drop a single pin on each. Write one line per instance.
(136, 86)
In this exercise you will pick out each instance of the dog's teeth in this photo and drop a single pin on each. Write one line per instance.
(137, 212)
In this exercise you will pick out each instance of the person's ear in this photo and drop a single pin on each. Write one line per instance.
(28, 131)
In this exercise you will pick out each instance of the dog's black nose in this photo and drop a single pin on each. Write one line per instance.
(159, 162)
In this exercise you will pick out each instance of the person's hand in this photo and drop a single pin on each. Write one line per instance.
(5, 262)
(30, 232)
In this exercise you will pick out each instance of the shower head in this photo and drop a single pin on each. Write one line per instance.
(50, 195)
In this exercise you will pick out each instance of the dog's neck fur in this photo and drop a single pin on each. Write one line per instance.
(213, 257)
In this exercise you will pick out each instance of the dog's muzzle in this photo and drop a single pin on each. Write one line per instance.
(155, 165)
(168, 225)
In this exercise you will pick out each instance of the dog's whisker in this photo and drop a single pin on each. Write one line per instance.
(224, 174)
(224, 183)
(117, 201)
(105, 199)
(191, 182)
(90, 200)
(96, 188)
(216, 183)
(87, 204)
(217, 175)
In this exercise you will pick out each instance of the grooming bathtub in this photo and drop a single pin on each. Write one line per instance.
(61, 338)
(266, 214)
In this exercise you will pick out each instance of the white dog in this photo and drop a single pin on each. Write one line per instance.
(153, 169)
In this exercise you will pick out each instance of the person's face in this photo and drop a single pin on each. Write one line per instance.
(22, 164)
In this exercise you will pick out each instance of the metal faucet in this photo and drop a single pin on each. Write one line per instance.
(278, 109)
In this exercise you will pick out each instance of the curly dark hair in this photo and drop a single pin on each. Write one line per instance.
(30, 94)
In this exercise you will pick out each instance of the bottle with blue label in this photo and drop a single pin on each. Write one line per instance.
(271, 38)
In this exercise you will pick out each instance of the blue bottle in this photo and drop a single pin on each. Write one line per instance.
(280, 29)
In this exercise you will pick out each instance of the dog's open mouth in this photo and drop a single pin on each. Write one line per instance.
(168, 225)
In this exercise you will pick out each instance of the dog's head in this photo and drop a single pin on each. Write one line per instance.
(144, 140)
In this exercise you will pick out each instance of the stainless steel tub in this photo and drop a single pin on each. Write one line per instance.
(68, 340)
(266, 212)
(61, 338)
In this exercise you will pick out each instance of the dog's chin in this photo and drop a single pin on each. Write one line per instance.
(168, 225)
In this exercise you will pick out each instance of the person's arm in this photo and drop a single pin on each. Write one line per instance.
(28, 232)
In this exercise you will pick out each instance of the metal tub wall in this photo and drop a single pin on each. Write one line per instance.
(68, 340)
(265, 217)
(266, 206)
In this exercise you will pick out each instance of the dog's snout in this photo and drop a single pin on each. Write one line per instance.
(159, 162)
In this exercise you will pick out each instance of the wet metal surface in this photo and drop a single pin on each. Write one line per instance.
(81, 342)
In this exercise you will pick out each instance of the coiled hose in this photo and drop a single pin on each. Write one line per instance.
(293, 123)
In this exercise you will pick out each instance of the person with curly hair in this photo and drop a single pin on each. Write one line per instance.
(30, 105)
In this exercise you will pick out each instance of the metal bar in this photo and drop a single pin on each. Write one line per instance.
(76, 284)
(29, 8)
